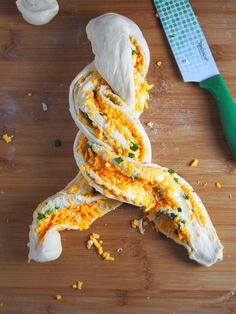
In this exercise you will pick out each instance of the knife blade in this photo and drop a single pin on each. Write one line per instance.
(195, 60)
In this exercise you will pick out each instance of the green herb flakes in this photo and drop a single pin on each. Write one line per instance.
(176, 180)
(172, 216)
(180, 210)
(57, 143)
(118, 160)
(133, 52)
(134, 177)
(40, 216)
(131, 155)
(134, 147)
(49, 211)
(171, 171)
(185, 196)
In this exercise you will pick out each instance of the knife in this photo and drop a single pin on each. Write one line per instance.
(195, 60)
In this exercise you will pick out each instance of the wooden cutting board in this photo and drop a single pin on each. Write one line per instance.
(151, 274)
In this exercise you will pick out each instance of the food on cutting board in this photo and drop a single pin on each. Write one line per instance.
(113, 153)
(38, 12)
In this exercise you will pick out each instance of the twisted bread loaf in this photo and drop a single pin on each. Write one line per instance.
(113, 153)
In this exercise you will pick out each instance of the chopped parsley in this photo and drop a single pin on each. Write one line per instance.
(149, 91)
(179, 210)
(40, 216)
(118, 160)
(171, 171)
(134, 177)
(172, 216)
(134, 147)
(57, 143)
(49, 211)
(185, 196)
(183, 222)
(176, 180)
(133, 52)
(89, 146)
(131, 155)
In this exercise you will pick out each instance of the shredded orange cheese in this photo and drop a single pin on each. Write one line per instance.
(94, 240)
(7, 138)
(194, 163)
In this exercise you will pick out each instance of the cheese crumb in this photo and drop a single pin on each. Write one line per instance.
(58, 297)
(79, 285)
(138, 223)
(150, 124)
(95, 235)
(7, 138)
(29, 94)
(194, 163)
(134, 223)
(218, 185)
(159, 63)
(74, 286)
(97, 243)
(107, 257)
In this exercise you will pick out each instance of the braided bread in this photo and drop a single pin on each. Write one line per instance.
(113, 153)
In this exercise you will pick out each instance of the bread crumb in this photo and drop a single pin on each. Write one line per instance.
(194, 163)
(204, 184)
(29, 94)
(74, 286)
(218, 185)
(58, 297)
(44, 106)
(159, 63)
(157, 16)
(119, 250)
(150, 124)
(89, 244)
(1, 304)
(230, 196)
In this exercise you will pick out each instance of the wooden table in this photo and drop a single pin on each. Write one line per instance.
(151, 274)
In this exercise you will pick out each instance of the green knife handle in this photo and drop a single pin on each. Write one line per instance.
(226, 106)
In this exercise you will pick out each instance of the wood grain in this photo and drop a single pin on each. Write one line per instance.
(151, 274)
